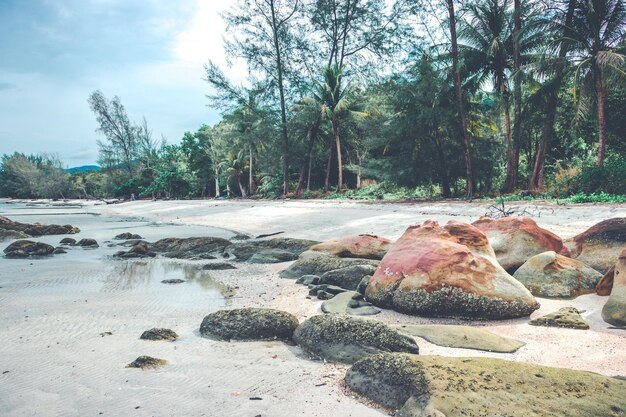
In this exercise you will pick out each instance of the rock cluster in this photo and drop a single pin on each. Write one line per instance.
(27, 249)
(37, 229)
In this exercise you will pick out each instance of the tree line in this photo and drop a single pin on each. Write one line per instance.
(435, 98)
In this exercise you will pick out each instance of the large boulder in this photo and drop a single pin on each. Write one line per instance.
(249, 324)
(448, 271)
(600, 245)
(516, 239)
(435, 386)
(348, 277)
(342, 338)
(244, 251)
(318, 263)
(360, 246)
(190, 248)
(552, 275)
(37, 229)
(28, 248)
(614, 311)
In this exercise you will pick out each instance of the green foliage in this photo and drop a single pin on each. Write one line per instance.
(384, 191)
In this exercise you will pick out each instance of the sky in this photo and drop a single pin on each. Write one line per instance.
(150, 53)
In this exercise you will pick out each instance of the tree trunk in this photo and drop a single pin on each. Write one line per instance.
(443, 167)
(601, 92)
(536, 180)
(312, 135)
(241, 187)
(308, 178)
(513, 163)
(339, 165)
(250, 177)
(328, 165)
(507, 130)
(283, 109)
(459, 98)
(217, 184)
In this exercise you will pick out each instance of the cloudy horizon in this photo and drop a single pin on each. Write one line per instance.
(149, 53)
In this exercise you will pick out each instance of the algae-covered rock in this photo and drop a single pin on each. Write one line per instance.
(342, 338)
(218, 266)
(147, 362)
(159, 334)
(614, 311)
(465, 337)
(318, 263)
(37, 229)
(68, 241)
(190, 248)
(249, 324)
(567, 317)
(360, 246)
(552, 275)
(349, 302)
(434, 386)
(28, 248)
(12, 235)
(244, 251)
(87, 243)
(448, 271)
(272, 256)
(127, 236)
(348, 277)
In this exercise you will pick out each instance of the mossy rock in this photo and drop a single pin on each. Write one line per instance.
(453, 387)
(318, 263)
(190, 248)
(342, 338)
(244, 251)
(567, 317)
(465, 337)
(28, 248)
(159, 334)
(272, 256)
(147, 362)
(218, 266)
(249, 324)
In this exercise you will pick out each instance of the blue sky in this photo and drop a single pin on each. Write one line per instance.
(148, 52)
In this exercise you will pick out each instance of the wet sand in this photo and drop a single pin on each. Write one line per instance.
(53, 312)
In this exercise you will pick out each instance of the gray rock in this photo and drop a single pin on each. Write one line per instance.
(249, 324)
(87, 243)
(37, 229)
(68, 241)
(349, 302)
(190, 248)
(272, 256)
(614, 311)
(28, 248)
(349, 277)
(59, 251)
(159, 334)
(342, 338)
(308, 280)
(331, 289)
(139, 250)
(324, 295)
(173, 281)
(363, 285)
(318, 263)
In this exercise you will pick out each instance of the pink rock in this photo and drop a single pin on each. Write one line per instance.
(448, 271)
(601, 244)
(517, 239)
(360, 246)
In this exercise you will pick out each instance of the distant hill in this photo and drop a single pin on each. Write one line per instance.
(84, 168)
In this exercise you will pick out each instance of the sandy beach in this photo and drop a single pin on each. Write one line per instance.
(56, 358)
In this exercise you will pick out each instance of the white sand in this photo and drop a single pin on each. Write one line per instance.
(53, 311)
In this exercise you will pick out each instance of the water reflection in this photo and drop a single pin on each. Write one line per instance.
(132, 275)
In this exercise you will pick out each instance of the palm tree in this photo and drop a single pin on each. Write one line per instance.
(235, 165)
(597, 45)
(336, 102)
